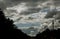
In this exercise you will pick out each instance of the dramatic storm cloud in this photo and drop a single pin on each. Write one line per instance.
(2, 4)
(9, 3)
(27, 12)
(51, 14)
(57, 15)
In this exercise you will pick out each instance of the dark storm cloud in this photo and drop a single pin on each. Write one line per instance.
(18, 19)
(57, 2)
(15, 2)
(9, 3)
(24, 0)
(2, 5)
(33, 4)
(57, 15)
(30, 11)
(50, 14)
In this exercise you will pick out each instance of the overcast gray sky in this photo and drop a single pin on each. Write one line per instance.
(8, 3)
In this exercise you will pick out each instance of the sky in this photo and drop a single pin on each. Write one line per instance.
(29, 12)
(24, 13)
(24, 9)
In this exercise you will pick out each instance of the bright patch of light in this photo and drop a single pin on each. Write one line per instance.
(21, 7)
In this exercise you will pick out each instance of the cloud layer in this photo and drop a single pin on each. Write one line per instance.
(9, 3)
(28, 12)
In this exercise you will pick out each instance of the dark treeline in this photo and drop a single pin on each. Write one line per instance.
(9, 31)
(47, 34)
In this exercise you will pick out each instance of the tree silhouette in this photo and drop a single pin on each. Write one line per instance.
(47, 34)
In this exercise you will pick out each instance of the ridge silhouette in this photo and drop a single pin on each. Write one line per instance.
(8, 30)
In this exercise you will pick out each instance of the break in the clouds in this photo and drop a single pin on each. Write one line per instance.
(28, 24)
